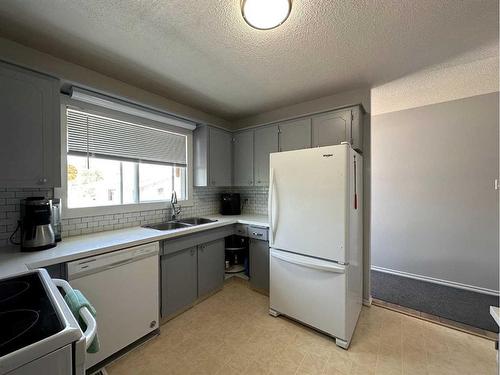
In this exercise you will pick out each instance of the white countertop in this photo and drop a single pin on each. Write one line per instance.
(13, 261)
(495, 313)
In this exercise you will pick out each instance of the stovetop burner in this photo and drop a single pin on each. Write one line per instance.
(26, 313)
(12, 289)
(16, 323)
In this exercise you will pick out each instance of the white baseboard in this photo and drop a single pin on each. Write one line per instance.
(452, 284)
(367, 302)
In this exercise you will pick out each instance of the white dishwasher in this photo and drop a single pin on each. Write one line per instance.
(123, 286)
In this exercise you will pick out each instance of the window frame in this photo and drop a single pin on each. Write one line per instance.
(68, 213)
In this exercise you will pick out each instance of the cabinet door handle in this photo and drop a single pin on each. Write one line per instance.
(42, 180)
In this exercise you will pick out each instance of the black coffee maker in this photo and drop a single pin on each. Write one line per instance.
(36, 228)
(230, 204)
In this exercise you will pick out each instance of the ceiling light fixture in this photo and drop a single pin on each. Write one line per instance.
(265, 14)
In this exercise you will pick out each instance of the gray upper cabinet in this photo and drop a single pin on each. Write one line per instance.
(243, 158)
(212, 156)
(210, 267)
(357, 128)
(30, 141)
(266, 142)
(220, 152)
(335, 127)
(295, 134)
(331, 128)
(178, 281)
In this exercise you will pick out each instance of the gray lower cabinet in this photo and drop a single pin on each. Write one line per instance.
(295, 134)
(243, 158)
(57, 271)
(259, 265)
(266, 142)
(210, 267)
(178, 281)
(192, 267)
(30, 142)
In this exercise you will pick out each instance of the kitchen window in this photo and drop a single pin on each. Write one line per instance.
(111, 162)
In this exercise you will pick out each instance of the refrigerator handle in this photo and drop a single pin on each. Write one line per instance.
(270, 205)
(309, 263)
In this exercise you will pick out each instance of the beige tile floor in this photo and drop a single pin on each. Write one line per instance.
(232, 333)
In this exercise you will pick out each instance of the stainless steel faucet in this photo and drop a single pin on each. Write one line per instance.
(176, 211)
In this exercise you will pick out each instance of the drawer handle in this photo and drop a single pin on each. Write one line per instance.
(257, 234)
(86, 261)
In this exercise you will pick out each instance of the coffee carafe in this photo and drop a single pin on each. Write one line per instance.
(56, 218)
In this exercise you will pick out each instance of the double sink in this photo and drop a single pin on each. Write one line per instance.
(178, 224)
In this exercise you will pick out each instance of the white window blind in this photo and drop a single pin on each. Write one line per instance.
(93, 135)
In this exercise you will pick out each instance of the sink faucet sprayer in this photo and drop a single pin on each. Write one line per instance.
(173, 201)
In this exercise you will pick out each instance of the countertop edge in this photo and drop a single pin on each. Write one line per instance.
(13, 262)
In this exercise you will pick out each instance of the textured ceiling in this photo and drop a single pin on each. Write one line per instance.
(440, 83)
(203, 54)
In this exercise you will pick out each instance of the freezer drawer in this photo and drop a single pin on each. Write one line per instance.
(310, 290)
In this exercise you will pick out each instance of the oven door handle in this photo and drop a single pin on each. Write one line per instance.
(84, 312)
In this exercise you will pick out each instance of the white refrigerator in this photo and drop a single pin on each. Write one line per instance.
(316, 238)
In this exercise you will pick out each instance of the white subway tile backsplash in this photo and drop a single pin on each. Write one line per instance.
(206, 202)
(253, 199)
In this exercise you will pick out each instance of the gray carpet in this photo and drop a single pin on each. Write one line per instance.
(451, 303)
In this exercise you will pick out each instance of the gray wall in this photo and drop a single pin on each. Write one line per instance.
(434, 208)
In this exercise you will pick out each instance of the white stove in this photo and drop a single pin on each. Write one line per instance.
(39, 334)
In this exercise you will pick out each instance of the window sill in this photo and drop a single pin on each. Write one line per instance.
(72, 213)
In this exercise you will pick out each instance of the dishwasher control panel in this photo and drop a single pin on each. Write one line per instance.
(109, 260)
